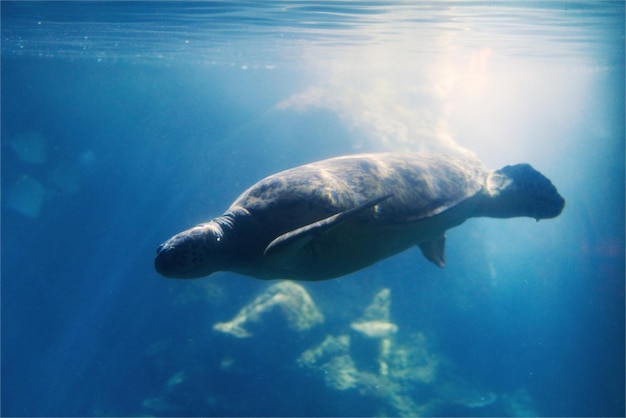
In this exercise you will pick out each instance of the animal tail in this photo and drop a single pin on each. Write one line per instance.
(520, 190)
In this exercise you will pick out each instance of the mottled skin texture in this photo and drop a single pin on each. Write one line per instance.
(420, 197)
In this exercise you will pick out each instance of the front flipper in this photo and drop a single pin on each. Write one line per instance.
(291, 242)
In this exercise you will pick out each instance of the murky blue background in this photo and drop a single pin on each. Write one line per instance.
(124, 123)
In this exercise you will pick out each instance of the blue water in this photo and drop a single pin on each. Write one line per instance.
(124, 123)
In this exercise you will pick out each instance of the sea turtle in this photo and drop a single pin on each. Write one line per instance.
(333, 217)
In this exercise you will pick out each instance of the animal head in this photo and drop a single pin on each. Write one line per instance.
(193, 253)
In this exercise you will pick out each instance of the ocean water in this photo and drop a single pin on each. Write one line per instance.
(124, 123)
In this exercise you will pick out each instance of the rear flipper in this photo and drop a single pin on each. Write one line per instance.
(434, 250)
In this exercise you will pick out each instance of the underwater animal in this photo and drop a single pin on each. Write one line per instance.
(333, 217)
